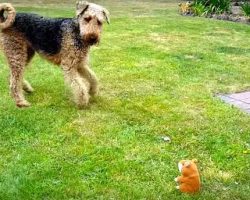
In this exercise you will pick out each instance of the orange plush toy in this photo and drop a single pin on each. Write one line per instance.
(189, 181)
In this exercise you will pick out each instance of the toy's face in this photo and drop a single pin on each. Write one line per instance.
(183, 163)
(187, 166)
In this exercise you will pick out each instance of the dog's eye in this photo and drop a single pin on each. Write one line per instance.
(87, 19)
(99, 22)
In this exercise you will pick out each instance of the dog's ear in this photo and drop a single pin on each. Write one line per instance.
(106, 15)
(81, 7)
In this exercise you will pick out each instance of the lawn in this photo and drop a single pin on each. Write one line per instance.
(159, 74)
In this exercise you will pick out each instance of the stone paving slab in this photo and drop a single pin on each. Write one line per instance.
(239, 100)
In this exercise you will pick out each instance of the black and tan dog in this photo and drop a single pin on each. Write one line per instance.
(63, 41)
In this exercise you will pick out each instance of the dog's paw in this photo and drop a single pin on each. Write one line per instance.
(176, 179)
(83, 102)
(93, 91)
(23, 104)
(27, 87)
(177, 187)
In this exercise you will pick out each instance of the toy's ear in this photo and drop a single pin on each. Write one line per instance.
(195, 160)
(182, 162)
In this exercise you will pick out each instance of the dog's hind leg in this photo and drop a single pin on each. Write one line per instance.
(16, 78)
(90, 76)
(16, 52)
(26, 85)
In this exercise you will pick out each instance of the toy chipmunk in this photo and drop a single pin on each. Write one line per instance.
(189, 181)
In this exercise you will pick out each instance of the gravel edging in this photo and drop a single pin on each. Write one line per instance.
(230, 17)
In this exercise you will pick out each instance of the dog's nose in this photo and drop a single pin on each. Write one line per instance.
(92, 39)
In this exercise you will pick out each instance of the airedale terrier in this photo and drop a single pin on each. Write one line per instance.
(62, 41)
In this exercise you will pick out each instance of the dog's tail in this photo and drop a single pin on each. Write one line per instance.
(7, 15)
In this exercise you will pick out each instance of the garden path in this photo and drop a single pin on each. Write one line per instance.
(239, 100)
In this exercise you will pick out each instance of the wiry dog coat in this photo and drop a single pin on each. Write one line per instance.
(63, 41)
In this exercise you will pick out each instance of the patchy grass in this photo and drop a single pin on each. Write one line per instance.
(159, 73)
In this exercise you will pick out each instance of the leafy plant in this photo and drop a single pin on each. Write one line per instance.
(246, 9)
(215, 6)
(199, 9)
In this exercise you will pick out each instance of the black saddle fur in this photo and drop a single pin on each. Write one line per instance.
(46, 34)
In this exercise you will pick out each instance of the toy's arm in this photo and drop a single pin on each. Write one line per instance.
(181, 179)
(177, 179)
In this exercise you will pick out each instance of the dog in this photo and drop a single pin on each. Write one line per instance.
(185, 8)
(63, 41)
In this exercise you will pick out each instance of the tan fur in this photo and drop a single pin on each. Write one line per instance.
(15, 49)
(190, 179)
(11, 12)
(55, 59)
(73, 61)
(185, 8)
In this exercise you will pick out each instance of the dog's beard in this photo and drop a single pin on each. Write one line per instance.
(93, 42)
(91, 39)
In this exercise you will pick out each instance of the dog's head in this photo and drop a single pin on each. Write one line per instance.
(91, 17)
(185, 8)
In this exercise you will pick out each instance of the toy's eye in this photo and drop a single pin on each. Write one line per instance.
(87, 19)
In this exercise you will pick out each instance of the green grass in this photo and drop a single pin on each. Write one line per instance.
(159, 73)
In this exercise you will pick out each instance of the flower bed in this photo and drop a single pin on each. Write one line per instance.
(236, 11)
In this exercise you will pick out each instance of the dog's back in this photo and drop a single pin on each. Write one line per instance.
(43, 34)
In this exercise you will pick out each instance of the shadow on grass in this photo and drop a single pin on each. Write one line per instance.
(233, 50)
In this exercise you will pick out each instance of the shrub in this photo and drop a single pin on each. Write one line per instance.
(199, 9)
(215, 6)
(246, 9)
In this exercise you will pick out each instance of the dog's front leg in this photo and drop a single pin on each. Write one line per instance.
(90, 76)
(76, 82)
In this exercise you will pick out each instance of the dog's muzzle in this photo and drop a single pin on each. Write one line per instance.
(92, 39)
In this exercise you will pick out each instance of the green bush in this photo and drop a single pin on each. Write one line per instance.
(199, 9)
(246, 9)
(215, 6)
